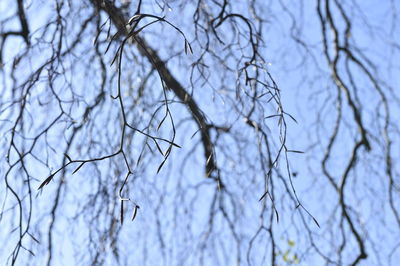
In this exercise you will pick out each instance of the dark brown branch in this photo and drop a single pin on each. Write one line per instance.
(23, 21)
(171, 82)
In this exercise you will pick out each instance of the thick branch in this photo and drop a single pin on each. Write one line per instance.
(24, 22)
(172, 83)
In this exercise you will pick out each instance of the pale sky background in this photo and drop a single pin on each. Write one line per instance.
(304, 86)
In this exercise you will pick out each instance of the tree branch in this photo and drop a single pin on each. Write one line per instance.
(117, 17)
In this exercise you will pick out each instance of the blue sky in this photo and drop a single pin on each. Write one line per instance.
(173, 223)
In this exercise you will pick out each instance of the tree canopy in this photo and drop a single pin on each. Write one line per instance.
(206, 132)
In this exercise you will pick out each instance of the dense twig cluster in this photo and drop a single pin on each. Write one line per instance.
(110, 105)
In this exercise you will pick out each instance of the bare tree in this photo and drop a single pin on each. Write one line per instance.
(199, 132)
